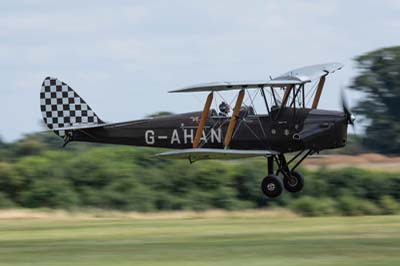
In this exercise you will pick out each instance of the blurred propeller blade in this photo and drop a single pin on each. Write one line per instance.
(350, 118)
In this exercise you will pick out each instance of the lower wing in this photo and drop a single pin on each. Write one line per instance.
(220, 154)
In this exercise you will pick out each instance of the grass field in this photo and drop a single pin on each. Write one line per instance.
(202, 241)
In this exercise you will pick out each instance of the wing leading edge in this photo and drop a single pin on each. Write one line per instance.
(219, 154)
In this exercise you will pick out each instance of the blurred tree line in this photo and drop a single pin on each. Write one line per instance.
(35, 172)
(379, 80)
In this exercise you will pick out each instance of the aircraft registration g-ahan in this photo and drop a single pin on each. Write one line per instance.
(290, 124)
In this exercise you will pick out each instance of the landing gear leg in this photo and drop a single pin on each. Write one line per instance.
(270, 165)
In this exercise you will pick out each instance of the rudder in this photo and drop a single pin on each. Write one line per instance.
(62, 107)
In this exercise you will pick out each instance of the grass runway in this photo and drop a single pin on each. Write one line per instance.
(202, 241)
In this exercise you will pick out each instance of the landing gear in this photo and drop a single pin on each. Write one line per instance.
(271, 186)
(293, 181)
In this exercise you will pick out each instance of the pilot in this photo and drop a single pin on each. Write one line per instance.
(246, 110)
(224, 109)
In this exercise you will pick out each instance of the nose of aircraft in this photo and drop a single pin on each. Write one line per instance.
(324, 123)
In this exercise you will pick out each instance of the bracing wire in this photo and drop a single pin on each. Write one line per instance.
(255, 112)
(311, 93)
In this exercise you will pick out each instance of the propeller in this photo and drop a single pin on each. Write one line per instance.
(349, 117)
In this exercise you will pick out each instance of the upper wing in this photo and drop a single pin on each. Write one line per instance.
(294, 77)
(220, 154)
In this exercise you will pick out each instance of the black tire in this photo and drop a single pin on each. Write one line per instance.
(271, 186)
(294, 183)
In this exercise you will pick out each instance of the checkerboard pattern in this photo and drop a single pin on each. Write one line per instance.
(62, 107)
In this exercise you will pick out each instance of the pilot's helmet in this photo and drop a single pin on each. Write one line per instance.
(224, 107)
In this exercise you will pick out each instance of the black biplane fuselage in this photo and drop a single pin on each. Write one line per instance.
(288, 126)
(283, 131)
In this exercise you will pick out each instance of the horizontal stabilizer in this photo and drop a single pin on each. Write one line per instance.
(219, 154)
(82, 126)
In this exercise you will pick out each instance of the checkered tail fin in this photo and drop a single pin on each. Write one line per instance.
(63, 108)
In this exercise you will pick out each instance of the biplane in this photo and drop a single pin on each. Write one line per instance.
(289, 125)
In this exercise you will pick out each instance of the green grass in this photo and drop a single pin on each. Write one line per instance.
(208, 241)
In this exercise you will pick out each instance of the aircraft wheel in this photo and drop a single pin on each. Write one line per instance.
(293, 183)
(271, 186)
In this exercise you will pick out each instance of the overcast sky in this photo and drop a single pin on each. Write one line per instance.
(123, 56)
